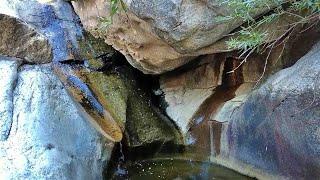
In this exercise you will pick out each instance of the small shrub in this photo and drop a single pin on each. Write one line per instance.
(250, 36)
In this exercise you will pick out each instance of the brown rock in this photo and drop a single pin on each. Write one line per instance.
(17, 39)
(185, 91)
(158, 37)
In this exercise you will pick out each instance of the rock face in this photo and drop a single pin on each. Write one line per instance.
(145, 125)
(44, 132)
(45, 136)
(194, 95)
(18, 39)
(160, 35)
(185, 91)
(56, 21)
(133, 38)
(142, 125)
(275, 130)
(8, 76)
(119, 94)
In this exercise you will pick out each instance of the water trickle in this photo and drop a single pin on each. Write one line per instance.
(212, 152)
(203, 128)
(204, 133)
(121, 171)
(121, 153)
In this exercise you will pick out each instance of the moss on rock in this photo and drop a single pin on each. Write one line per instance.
(112, 93)
(92, 49)
(132, 109)
(144, 125)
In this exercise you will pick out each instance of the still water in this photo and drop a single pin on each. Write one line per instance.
(176, 169)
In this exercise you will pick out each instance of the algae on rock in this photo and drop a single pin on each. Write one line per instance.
(132, 109)
(145, 125)
(112, 93)
(94, 50)
(121, 96)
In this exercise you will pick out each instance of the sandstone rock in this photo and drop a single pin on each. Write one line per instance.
(18, 39)
(185, 91)
(48, 137)
(159, 36)
(274, 132)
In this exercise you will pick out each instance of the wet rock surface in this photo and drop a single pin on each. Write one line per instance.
(142, 123)
(186, 90)
(44, 133)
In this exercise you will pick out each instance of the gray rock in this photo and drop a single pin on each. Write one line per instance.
(274, 132)
(8, 77)
(187, 25)
(17, 39)
(48, 138)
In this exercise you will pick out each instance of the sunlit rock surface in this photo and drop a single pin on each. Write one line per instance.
(185, 91)
(157, 36)
(8, 76)
(46, 137)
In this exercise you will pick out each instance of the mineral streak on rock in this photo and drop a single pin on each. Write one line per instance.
(95, 112)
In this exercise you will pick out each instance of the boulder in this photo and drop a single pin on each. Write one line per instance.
(17, 39)
(159, 36)
(44, 135)
(274, 131)
(190, 86)
(56, 21)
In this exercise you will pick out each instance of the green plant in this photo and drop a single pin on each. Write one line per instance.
(250, 36)
(115, 7)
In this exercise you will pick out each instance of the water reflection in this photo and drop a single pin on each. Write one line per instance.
(171, 168)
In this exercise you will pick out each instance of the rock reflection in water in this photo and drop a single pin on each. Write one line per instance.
(171, 168)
